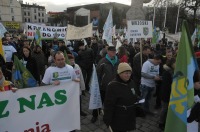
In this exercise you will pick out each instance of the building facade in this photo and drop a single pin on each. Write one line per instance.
(10, 10)
(97, 14)
(33, 13)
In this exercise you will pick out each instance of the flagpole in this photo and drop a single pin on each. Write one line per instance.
(177, 18)
(154, 13)
(165, 14)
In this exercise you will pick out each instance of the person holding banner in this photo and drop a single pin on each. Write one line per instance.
(62, 72)
(120, 99)
(4, 84)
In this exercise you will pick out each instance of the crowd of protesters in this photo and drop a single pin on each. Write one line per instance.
(125, 75)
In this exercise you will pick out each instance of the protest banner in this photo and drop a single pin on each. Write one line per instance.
(12, 25)
(2, 30)
(47, 32)
(79, 32)
(48, 108)
(139, 29)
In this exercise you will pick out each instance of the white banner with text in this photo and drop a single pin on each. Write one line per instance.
(41, 109)
(46, 32)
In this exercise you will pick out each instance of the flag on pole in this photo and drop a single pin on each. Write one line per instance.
(108, 29)
(21, 76)
(114, 31)
(156, 35)
(194, 35)
(2, 30)
(182, 92)
(95, 97)
(1, 49)
(119, 44)
(38, 38)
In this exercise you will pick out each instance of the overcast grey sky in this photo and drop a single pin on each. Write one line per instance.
(60, 5)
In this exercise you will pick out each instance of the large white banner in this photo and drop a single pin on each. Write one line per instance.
(41, 109)
(47, 32)
(79, 32)
(139, 29)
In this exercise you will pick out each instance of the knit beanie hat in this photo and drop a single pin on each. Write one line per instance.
(123, 67)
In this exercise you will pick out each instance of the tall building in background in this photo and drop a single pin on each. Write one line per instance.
(10, 14)
(33, 13)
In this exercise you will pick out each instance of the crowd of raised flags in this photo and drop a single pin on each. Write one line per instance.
(182, 95)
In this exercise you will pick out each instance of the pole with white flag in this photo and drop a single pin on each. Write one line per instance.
(165, 14)
(177, 16)
(95, 97)
(154, 12)
(108, 29)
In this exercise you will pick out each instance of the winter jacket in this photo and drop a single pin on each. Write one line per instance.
(167, 78)
(41, 61)
(31, 66)
(106, 72)
(85, 58)
(119, 105)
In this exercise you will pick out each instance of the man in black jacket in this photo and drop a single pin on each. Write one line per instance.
(106, 72)
(136, 67)
(85, 60)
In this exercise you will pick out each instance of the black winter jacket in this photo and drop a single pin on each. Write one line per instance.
(119, 94)
(167, 78)
(85, 58)
(106, 72)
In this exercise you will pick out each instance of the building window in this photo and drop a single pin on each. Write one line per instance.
(38, 14)
(24, 13)
(42, 14)
(42, 20)
(24, 19)
(28, 13)
(0, 18)
(35, 17)
(11, 1)
(34, 10)
(29, 20)
(13, 18)
(12, 10)
(39, 20)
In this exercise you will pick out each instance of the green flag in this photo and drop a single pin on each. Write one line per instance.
(38, 38)
(156, 35)
(21, 76)
(66, 58)
(182, 93)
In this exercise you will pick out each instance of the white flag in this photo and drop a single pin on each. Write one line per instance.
(114, 31)
(95, 97)
(108, 28)
(2, 30)
(119, 44)
(194, 35)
